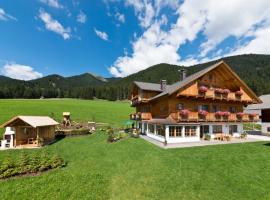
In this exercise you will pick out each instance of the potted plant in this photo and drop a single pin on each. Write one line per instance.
(207, 137)
(226, 113)
(203, 113)
(184, 112)
(219, 91)
(203, 89)
(226, 91)
(239, 93)
(240, 115)
(219, 113)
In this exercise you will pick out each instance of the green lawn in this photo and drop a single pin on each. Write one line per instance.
(135, 169)
(114, 113)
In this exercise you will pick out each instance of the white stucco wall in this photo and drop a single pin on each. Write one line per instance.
(156, 137)
(265, 125)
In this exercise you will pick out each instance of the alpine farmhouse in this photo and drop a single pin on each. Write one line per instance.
(210, 101)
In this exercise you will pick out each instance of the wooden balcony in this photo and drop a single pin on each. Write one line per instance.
(212, 117)
(137, 100)
(211, 93)
(141, 116)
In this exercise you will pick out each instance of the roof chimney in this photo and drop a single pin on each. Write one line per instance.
(163, 84)
(183, 74)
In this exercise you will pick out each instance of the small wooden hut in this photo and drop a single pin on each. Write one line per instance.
(32, 130)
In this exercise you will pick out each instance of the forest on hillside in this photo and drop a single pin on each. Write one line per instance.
(253, 69)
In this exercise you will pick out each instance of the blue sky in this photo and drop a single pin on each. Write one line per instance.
(118, 38)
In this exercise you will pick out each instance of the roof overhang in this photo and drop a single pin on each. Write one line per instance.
(32, 121)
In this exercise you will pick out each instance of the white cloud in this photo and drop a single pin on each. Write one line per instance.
(81, 18)
(5, 17)
(21, 72)
(52, 3)
(120, 17)
(259, 44)
(102, 35)
(53, 25)
(216, 21)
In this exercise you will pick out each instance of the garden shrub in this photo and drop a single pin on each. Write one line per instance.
(30, 163)
(207, 137)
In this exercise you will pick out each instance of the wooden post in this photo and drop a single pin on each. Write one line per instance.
(38, 136)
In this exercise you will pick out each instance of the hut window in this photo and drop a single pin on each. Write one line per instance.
(25, 131)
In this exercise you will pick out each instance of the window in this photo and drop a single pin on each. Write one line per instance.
(203, 107)
(217, 128)
(145, 127)
(180, 106)
(160, 130)
(232, 109)
(204, 129)
(232, 129)
(268, 129)
(216, 108)
(151, 128)
(175, 131)
(190, 131)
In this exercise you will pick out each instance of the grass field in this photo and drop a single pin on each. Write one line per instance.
(135, 169)
(114, 113)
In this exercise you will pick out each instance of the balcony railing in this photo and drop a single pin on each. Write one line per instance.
(141, 116)
(213, 117)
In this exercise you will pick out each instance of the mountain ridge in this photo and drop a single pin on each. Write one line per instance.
(254, 69)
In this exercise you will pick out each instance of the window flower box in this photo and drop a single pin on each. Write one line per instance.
(253, 115)
(240, 114)
(219, 91)
(239, 93)
(226, 91)
(219, 113)
(203, 113)
(226, 113)
(185, 112)
(203, 89)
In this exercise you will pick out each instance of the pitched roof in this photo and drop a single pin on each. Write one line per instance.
(176, 86)
(148, 86)
(34, 121)
(265, 105)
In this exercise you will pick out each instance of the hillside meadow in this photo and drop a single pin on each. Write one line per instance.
(133, 168)
(114, 113)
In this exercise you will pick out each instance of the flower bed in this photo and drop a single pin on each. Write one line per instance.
(114, 135)
(71, 132)
(30, 165)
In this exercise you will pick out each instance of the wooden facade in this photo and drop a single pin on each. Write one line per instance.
(31, 131)
(225, 92)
